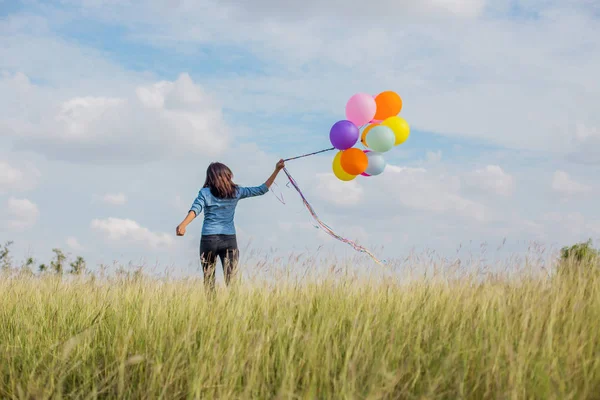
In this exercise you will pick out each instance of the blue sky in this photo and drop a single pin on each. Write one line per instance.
(110, 112)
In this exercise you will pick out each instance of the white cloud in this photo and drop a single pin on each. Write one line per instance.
(434, 156)
(187, 11)
(571, 226)
(30, 45)
(9, 176)
(346, 10)
(333, 190)
(116, 199)
(73, 243)
(420, 189)
(493, 179)
(584, 133)
(564, 184)
(178, 203)
(76, 116)
(127, 230)
(164, 119)
(17, 179)
(21, 213)
(586, 148)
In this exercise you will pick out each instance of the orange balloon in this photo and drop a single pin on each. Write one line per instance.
(363, 138)
(388, 105)
(354, 161)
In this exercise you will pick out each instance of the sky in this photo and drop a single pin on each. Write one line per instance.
(111, 110)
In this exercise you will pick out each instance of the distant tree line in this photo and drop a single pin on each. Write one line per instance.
(581, 252)
(57, 265)
(579, 255)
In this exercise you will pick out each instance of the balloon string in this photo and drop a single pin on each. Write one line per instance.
(324, 226)
(309, 154)
(318, 152)
(280, 198)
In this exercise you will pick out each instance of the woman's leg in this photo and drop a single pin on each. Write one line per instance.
(229, 255)
(208, 259)
(230, 265)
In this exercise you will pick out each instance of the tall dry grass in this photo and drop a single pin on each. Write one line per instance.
(342, 337)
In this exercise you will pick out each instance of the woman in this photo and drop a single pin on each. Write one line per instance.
(218, 199)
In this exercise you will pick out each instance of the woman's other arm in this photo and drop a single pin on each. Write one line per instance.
(196, 209)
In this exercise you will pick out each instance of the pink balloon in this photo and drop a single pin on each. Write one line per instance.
(361, 109)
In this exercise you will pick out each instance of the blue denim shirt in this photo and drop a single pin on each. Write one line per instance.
(219, 213)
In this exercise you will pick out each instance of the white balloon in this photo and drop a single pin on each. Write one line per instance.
(380, 138)
(376, 163)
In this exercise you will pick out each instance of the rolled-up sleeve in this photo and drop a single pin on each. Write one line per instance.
(253, 191)
(198, 204)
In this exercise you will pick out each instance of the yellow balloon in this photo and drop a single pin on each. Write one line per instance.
(338, 171)
(400, 127)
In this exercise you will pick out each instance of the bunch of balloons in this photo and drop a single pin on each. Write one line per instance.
(382, 129)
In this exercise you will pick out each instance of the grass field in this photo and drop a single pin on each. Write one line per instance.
(136, 337)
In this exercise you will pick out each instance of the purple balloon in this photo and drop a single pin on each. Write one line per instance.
(343, 135)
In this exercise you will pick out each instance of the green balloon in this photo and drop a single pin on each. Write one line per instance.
(380, 139)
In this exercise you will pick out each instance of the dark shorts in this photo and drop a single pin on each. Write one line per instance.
(221, 246)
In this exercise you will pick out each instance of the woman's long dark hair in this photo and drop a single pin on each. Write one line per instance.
(219, 179)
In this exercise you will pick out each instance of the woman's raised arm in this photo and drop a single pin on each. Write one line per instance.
(280, 165)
